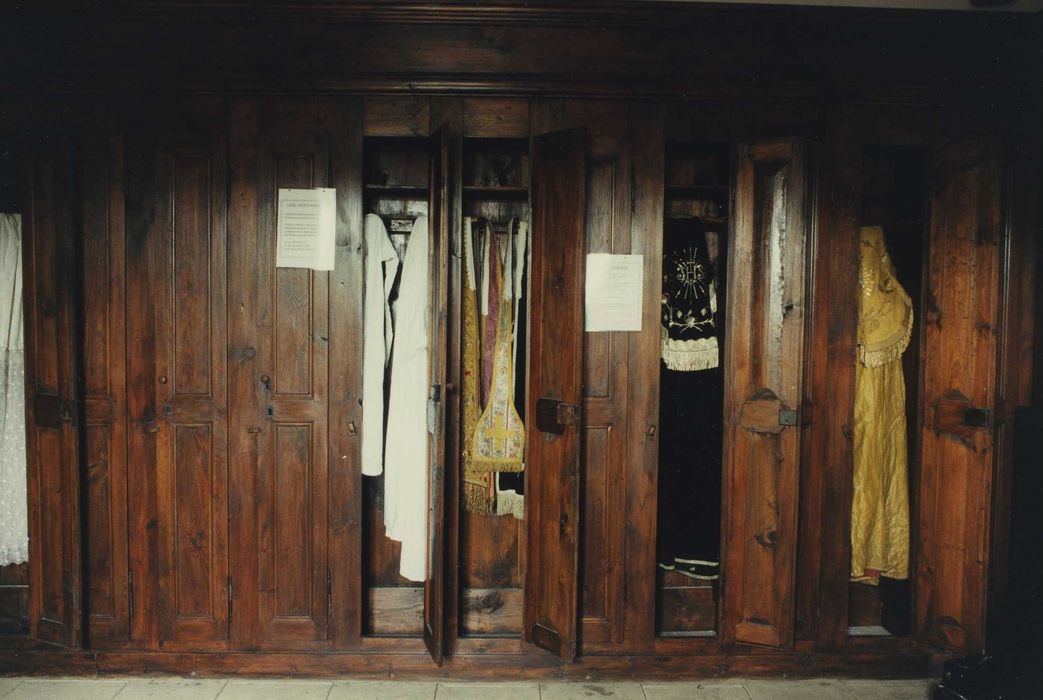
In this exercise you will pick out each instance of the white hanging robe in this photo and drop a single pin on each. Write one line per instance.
(14, 520)
(381, 267)
(406, 451)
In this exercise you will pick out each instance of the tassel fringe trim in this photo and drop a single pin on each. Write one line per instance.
(690, 355)
(477, 499)
(491, 464)
(510, 503)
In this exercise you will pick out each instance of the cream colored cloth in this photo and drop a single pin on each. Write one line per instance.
(880, 505)
(380, 269)
(406, 463)
(14, 520)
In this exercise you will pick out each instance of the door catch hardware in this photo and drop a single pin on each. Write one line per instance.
(977, 417)
(787, 416)
(553, 416)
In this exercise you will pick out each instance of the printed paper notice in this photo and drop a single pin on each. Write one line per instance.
(613, 292)
(307, 228)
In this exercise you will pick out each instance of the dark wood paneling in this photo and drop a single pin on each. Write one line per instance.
(345, 326)
(282, 380)
(104, 371)
(555, 373)
(827, 470)
(961, 326)
(763, 377)
(440, 275)
(177, 392)
(49, 254)
(646, 125)
(1022, 179)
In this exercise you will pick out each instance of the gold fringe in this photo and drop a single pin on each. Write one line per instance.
(486, 464)
(477, 500)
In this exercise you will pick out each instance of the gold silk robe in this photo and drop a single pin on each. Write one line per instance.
(880, 505)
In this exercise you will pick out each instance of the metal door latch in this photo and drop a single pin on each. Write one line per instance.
(554, 416)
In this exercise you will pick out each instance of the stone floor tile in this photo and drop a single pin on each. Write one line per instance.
(7, 685)
(587, 689)
(382, 690)
(174, 688)
(275, 690)
(708, 690)
(815, 689)
(65, 689)
(891, 690)
(488, 691)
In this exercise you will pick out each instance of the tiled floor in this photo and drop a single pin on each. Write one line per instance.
(189, 689)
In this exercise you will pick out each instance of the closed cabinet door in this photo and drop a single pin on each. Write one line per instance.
(281, 408)
(177, 398)
(53, 442)
(763, 388)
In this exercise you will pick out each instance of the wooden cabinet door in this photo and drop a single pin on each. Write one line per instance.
(49, 255)
(104, 349)
(559, 164)
(435, 584)
(177, 400)
(763, 387)
(962, 318)
(281, 351)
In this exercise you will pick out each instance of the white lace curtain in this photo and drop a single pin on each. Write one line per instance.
(14, 520)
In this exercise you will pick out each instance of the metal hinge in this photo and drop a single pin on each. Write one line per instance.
(230, 590)
(130, 595)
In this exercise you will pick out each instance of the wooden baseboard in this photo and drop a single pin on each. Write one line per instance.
(368, 665)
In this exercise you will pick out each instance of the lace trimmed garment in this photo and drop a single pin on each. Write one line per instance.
(14, 521)
(880, 505)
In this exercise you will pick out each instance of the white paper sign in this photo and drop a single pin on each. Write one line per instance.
(307, 228)
(613, 292)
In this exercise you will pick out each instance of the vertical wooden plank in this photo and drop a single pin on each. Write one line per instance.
(826, 479)
(104, 371)
(447, 116)
(50, 259)
(439, 275)
(345, 412)
(245, 403)
(646, 131)
(966, 244)
(1021, 222)
(763, 390)
(555, 375)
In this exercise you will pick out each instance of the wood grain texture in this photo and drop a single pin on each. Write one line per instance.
(763, 360)
(104, 351)
(646, 134)
(49, 259)
(177, 391)
(827, 470)
(555, 372)
(962, 310)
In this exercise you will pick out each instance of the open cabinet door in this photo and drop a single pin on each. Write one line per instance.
(559, 164)
(962, 318)
(49, 255)
(435, 584)
(762, 396)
